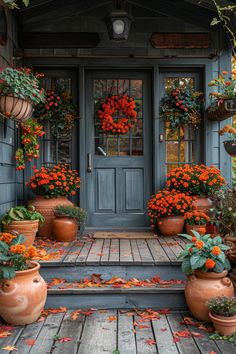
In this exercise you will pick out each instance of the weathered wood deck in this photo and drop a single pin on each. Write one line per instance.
(112, 332)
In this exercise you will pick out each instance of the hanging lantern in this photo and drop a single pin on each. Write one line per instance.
(118, 25)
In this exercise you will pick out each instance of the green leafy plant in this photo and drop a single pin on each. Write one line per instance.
(13, 4)
(21, 213)
(182, 106)
(14, 256)
(204, 253)
(21, 83)
(71, 211)
(222, 306)
(225, 212)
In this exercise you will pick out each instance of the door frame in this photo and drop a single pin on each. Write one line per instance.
(148, 129)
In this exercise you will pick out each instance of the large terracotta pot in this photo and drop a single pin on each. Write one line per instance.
(226, 326)
(202, 203)
(15, 107)
(46, 206)
(171, 225)
(23, 297)
(201, 287)
(64, 229)
(231, 242)
(27, 228)
(197, 228)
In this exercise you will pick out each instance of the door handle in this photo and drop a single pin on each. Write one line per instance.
(89, 163)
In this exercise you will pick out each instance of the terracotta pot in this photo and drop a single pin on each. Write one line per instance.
(171, 225)
(189, 229)
(23, 297)
(45, 206)
(27, 228)
(14, 107)
(232, 276)
(201, 287)
(231, 242)
(226, 326)
(64, 229)
(202, 203)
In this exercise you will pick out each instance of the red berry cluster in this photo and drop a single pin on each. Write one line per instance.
(179, 103)
(52, 100)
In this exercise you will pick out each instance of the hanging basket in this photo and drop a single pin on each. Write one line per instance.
(225, 110)
(230, 147)
(15, 108)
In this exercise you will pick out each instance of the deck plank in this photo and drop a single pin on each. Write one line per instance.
(11, 340)
(164, 244)
(95, 252)
(164, 338)
(135, 252)
(69, 329)
(142, 335)
(84, 253)
(99, 334)
(125, 252)
(46, 336)
(114, 257)
(145, 253)
(157, 252)
(73, 253)
(106, 252)
(126, 337)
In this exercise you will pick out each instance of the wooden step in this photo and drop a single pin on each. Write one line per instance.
(115, 298)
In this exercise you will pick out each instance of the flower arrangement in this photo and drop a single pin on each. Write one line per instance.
(30, 132)
(21, 83)
(229, 131)
(113, 105)
(54, 181)
(71, 211)
(59, 110)
(196, 217)
(222, 306)
(182, 106)
(196, 180)
(204, 253)
(167, 203)
(13, 255)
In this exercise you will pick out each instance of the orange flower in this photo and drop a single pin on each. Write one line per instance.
(199, 244)
(6, 237)
(194, 239)
(202, 230)
(216, 250)
(210, 263)
(18, 249)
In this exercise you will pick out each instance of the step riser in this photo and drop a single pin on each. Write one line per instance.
(76, 273)
(173, 301)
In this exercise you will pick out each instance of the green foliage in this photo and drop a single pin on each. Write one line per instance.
(21, 213)
(71, 211)
(222, 306)
(13, 4)
(225, 212)
(21, 83)
(204, 253)
(217, 336)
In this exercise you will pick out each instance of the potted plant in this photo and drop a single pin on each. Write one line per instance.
(196, 220)
(24, 221)
(230, 143)
(223, 314)
(19, 91)
(200, 181)
(223, 103)
(166, 210)
(51, 186)
(206, 265)
(66, 224)
(182, 106)
(23, 291)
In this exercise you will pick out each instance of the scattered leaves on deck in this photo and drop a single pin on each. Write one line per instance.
(10, 348)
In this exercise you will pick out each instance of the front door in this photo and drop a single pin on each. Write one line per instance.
(119, 167)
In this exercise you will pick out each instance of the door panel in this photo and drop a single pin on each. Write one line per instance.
(119, 182)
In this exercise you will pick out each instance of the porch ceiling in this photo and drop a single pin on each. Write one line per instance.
(40, 12)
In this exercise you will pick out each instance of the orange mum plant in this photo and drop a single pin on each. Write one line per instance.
(166, 203)
(204, 253)
(54, 181)
(196, 217)
(195, 180)
(14, 255)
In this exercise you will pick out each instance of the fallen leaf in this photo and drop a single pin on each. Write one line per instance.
(163, 329)
(88, 313)
(164, 311)
(150, 342)
(96, 279)
(10, 347)
(112, 318)
(176, 339)
(75, 314)
(212, 353)
(184, 334)
(196, 334)
(4, 334)
(64, 340)
(30, 342)
(6, 328)
(143, 326)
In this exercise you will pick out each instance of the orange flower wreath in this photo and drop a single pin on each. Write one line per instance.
(122, 104)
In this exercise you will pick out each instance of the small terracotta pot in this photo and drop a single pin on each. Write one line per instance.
(171, 225)
(202, 203)
(226, 326)
(230, 241)
(64, 229)
(23, 297)
(46, 207)
(189, 229)
(27, 228)
(15, 107)
(201, 287)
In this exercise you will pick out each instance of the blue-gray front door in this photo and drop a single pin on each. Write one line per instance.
(119, 167)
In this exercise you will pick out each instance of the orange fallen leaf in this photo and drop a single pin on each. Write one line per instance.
(184, 334)
(75, 314)
(65, 339)
(4, 334)
(150, 341)
(10, 348)
(30, 341)
(196, 334)
(112, 318)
